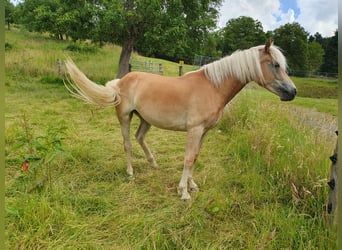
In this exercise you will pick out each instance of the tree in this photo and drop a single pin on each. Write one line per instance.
(73, 18)
(170, 29)
(211, 46)
(315, 56)
(242, 33)
(293, 40)
(330, 64)
(180, 29)
(129, 19)
(9, 10)
(200, 18)
(167, 37)
(26, 13)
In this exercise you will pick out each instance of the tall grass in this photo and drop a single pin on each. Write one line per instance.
(262, 173)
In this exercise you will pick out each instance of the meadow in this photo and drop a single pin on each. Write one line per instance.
(262, 170)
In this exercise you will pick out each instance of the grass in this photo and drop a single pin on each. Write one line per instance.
(262, 172)
(324, 105)
(316, 87)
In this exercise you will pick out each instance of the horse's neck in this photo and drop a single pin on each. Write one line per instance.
(230, 88)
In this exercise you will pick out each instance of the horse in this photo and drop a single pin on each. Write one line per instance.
(192, 103)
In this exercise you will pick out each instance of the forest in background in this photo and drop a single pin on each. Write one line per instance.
(172, 30)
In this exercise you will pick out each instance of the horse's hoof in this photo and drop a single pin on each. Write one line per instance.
(185, 196)
(193, 186)
(130, 172)
(154, 165)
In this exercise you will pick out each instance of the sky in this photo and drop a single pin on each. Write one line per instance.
(313, 15)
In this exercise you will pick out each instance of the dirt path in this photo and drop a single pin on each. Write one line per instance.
(325, 124)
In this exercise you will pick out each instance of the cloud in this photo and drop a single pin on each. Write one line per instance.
(318, 16)
(288, 17)
(314, 15)
(265, 11)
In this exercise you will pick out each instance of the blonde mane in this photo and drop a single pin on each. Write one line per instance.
(243, 65)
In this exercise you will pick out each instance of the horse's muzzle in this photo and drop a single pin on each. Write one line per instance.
(288, 95)
(287, 92)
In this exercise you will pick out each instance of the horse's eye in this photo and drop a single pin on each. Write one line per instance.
(276, 65)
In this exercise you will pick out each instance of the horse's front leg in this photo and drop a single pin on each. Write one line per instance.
(193, 145)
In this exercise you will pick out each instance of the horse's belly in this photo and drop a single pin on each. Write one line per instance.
(165, 120)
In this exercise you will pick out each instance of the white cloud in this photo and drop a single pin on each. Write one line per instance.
(314, 15)
(288, 17)
(318, 16)
(265, 11)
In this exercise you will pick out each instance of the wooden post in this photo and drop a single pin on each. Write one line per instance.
(181, 63)
(59, 64)
(160, 68)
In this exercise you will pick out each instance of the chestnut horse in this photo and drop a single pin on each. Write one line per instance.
(193, 103)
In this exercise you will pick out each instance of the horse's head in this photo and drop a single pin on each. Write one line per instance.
(273, 67)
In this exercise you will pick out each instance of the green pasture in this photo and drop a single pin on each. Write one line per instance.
(262, 171)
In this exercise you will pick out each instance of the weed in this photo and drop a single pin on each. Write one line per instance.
(8, 46)
(39, 151)
(51, 80)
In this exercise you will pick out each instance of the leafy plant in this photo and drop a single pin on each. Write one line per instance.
(40, 151)
(8, 46)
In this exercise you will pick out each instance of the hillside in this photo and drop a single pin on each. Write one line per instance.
(262, 171)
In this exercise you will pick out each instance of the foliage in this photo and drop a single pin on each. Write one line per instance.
(315, 56)
(172, 30)
(242, 33)
(331, 54)
(61, 18)
(9, 13)
(148, 25)
(39, 152)
(82, 48)
(8, 46)
(292, 38)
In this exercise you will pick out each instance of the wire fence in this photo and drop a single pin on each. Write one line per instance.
(314, 74)
(146, 66)
(200, 60)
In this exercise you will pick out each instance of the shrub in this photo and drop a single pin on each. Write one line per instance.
(8, 46)
(82, 48)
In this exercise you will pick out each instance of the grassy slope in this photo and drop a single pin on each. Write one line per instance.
(262, 173)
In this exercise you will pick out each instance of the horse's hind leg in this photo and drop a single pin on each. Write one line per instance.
(125, 121)
(140, 136)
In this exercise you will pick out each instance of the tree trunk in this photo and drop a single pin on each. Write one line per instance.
(125, 55)
(127, 47)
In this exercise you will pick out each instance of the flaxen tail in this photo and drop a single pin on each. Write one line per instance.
(83, 88)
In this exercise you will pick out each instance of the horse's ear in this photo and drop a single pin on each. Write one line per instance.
(268, 45)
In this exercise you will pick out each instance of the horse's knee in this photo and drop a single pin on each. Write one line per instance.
(189, 162)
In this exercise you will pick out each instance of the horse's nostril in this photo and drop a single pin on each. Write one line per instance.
(295, 91)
